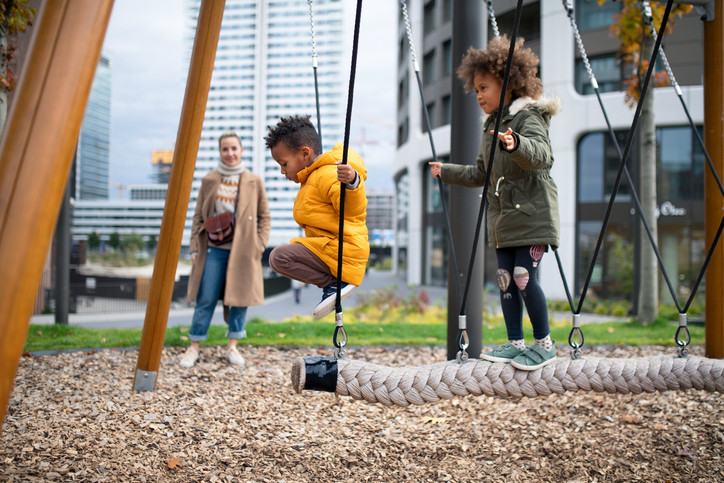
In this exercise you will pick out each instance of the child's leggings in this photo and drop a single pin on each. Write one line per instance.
(297, 262)
(518, 282)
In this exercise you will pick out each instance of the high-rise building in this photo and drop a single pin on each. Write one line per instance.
(161, 160)
(263, 70)
(92, 162)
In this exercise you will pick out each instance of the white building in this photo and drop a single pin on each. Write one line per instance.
(263, 70)
(585, 160)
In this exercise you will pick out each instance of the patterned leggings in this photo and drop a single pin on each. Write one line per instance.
(518, 282)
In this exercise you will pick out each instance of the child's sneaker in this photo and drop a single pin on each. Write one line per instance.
(505, 353)
(329, 298)
(189, 358)
(534, 358)
(233, 356)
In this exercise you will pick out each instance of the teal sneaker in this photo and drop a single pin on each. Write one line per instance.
(534, 358)
(505, 353)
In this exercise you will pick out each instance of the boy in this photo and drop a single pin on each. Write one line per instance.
(295, 146)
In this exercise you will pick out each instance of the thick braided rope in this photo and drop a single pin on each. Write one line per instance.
(402, 386)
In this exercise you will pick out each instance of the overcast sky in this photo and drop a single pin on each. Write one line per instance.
(145, 45)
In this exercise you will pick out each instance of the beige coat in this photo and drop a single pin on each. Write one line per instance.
(244, 279)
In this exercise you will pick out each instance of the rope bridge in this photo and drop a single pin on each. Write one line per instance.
(403, 386)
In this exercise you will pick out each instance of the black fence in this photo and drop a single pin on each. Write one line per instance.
(112, 294)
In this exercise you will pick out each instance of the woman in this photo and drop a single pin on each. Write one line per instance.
(234, 266)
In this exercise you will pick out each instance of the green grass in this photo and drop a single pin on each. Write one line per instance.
(365, 327)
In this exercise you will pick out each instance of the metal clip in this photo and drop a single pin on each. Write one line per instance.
(683, 350)
(576, 332)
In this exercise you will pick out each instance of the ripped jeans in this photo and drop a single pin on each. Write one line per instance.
(518, 282)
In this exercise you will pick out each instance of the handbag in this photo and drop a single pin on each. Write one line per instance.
(220, 228)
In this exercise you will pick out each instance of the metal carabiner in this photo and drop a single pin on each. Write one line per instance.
(683, 350)
(340, 350)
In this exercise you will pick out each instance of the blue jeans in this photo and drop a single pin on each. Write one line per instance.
(212, 280)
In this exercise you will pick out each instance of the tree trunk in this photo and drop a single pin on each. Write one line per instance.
(648, 266)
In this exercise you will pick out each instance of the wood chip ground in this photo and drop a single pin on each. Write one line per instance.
(75, 417)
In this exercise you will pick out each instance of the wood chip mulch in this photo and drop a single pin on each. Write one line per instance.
(75, 417)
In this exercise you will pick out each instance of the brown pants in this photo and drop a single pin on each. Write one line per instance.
(297, 262)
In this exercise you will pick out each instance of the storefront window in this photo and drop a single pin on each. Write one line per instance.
(436, 246)
(402, 197)
(680, 214)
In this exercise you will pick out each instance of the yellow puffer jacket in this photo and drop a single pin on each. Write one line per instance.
(316, 209)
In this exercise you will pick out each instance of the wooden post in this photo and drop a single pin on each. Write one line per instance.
(178, 194)
(714, 141)
(36, 152)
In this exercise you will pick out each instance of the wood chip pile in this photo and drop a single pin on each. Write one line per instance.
(74, 417)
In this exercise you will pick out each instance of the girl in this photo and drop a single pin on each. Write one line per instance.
(522, 200)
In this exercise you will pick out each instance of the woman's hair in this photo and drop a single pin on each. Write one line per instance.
(229, 134)
(295, 132)
(523, 79)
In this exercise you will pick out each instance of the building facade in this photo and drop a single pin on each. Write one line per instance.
(586, 161)
(263, 70)
(92, 161)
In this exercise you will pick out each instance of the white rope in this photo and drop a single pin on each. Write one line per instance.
(403, 386)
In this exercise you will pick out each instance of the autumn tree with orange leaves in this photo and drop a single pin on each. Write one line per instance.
(15, 16)
(635, 49)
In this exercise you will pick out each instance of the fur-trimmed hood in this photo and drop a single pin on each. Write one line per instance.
(549, 106)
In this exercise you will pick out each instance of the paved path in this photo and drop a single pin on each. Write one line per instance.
(276, 308)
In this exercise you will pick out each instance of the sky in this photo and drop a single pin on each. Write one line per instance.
(146, 48)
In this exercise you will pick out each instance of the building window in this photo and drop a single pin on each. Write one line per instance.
(608, 71)
(432, 116)
(402, 197)
(591, 15)
(447, 57)
(446, 110)
(680, 206)
(429, 17)
(435, 249)
(402, 92)
(447, 10)
(529, 27)
(403, 131)
(428, 68)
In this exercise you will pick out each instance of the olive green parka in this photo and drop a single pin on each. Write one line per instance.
(522, 196)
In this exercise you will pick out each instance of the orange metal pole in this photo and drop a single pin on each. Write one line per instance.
(36, 152)
(714, 141)
(179, 192)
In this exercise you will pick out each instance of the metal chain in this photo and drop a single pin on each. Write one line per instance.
(491, 16)
(579, 42)
(649, 19)
(314, 44)
(408, 28)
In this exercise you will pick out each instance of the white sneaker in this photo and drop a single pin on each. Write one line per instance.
(329, 298)
(189, 358)
(233, 356)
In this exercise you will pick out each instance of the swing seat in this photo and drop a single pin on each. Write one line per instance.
(403, 386)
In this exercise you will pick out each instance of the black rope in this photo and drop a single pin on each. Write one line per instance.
(624, 156)
(494, 145)
(348, 122)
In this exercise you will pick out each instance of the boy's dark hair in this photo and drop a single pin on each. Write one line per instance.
(523, 79)
(295, 132)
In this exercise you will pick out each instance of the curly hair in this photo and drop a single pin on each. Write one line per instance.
(523, 79)
(295, 132)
